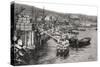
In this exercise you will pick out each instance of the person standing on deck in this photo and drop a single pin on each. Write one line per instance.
(76, 41)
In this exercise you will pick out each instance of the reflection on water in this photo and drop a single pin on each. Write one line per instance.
(87, 53)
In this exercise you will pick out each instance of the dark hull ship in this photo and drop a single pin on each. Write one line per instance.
(40, 36)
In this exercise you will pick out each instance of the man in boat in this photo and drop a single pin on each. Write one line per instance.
(62, 47)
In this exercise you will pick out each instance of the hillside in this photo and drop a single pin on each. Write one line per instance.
(28, 10)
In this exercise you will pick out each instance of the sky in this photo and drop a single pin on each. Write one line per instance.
(63, 8)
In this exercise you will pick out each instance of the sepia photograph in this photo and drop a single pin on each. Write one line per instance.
(52, 33)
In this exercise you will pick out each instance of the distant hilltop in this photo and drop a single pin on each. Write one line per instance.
(32, 10)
